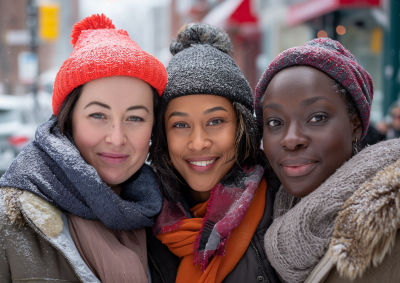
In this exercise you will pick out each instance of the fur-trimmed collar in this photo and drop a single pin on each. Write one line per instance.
(367, 224)
(43, 214)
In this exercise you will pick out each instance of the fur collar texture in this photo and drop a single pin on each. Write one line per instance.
(43, 214)
(301, 235)
(367, 224)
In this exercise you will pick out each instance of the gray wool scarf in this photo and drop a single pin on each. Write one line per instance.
(302, 229)
(52, 168)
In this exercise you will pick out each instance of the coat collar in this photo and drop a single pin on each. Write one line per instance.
(43, 214)
(21, 204)
(366, 227)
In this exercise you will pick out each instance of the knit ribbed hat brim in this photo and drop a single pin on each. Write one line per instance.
(203, 69)
(102, 51)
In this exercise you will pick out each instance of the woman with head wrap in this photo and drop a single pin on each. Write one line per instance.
(337, 213)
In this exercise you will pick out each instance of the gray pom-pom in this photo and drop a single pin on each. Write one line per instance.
(196, 33)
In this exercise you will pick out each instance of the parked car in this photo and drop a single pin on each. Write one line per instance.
(19, 118)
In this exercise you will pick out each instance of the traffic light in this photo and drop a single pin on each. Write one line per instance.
(49, 21)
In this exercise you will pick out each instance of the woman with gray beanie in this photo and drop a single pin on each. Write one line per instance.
(206, 151)
(337, 213)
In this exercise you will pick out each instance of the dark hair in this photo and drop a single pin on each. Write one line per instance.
(351, 107)
(350, 103)
(64, 117)
(247, 143)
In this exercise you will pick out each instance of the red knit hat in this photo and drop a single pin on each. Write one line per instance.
(102, 51)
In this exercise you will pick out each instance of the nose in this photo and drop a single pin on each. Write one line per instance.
(116, 135)
(199, 139)
(294, 138)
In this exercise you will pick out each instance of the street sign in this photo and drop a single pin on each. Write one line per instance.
(27, 67)
(49, 14)
(18, 37)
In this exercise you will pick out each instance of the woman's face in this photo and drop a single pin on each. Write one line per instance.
(201, 131)
(307, 130)
(111, 126)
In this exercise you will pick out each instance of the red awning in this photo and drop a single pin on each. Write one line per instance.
(231, 12)
(311, 9)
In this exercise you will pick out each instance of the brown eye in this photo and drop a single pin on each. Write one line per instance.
(274, 123)
(317, 118)
(180, 125)
(215, 122)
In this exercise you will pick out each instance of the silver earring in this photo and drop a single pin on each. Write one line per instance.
(355, 147)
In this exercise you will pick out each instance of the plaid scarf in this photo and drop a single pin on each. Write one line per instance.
(226, 209)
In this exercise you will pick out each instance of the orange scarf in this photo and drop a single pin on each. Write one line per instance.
(181, 241)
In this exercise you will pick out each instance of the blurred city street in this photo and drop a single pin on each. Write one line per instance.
(35, 40)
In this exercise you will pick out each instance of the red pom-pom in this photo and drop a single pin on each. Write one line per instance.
(93, 22)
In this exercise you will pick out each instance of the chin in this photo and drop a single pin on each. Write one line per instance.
(113, 178)
(299, 191)
(201, 186)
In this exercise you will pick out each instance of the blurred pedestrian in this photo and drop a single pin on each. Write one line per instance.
(382, 127)
(336, 216)
(207, 154)
(394, 130)
(76, 200)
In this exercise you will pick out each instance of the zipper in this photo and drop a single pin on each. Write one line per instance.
(259, 261)
(155, 266)
(37, 230)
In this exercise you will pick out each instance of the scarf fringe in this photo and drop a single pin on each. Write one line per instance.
(172, 227)
(204, 262)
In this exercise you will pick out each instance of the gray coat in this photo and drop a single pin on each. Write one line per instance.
(36, 244)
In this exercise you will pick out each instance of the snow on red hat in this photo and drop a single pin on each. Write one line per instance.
(102, 51)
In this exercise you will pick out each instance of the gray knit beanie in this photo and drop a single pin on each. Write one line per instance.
(202, 65)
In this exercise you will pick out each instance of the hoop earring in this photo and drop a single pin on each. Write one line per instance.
(355, 147)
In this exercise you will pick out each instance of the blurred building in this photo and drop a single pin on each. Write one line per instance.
(360, 25)
(147, 22)
(15, 39)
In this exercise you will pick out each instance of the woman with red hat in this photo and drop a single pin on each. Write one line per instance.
(76, 200)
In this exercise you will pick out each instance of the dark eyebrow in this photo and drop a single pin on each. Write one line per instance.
(108, 107)
(179, 114)
(274, 106)
(309, 101)
(218, 108)
(138, 107)
(97, 103)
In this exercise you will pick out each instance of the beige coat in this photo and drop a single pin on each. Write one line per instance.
(365, 246)
(35, 243)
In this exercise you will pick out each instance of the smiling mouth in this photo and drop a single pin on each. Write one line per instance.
(113, 158)
(203, 163)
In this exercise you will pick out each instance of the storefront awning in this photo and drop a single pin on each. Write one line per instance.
(231, 12)
(311, 9)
